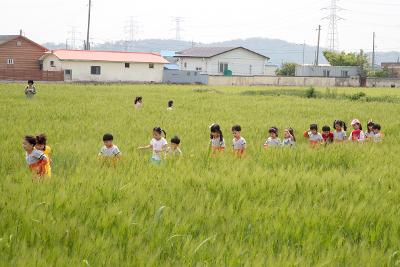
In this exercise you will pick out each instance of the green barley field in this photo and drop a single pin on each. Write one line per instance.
(331, 206)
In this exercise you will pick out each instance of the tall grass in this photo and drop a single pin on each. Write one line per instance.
(335, 205)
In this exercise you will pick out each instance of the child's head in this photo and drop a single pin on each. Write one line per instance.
(236, 129)
(170, 103)
(326, 129)
(108, 139)
(41, 141)
(29, 142)
(289, 133)
(216, 132)
(339, 125)
(356, 124)
(157, 133)
(138, 99)
(376, 128)
(175, 141)
(273, 132)
(314, 128)
(370, 124)
(30, 82)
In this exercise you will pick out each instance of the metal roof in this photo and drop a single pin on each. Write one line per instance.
(207, 52)
(7, 38)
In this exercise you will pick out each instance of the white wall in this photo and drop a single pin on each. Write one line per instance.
(110, 71)
(239, 62)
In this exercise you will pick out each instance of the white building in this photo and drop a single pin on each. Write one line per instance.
(222, 60)
(105, 66)
(327, 71)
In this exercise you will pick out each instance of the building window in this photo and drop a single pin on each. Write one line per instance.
(19, 43)
(52, 63)
(151, 66)
(67, 72)
(198, 68)
(127, 65)
(95, 70)
(327, 73)
(345, 73)
(10, 61)
(185, 65)
(223, 67)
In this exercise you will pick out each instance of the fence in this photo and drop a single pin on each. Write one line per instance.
(184, 77)
(36, 75)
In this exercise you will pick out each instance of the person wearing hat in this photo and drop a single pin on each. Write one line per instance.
(357, 135)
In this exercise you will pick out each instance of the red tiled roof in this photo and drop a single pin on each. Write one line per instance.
(111, 56)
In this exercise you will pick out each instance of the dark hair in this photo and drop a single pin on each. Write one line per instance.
(236, 128)
(170, 103)
(376, 126)
(41, 139)
(30, 139)
(30, 82)
(314, 127)
(138, 98)
(160, 131)
(215, 128)
(370, 123)
(108, 137)
(273, 129)
(340, 123)
(326, 128)
(291, 131)
(175, 140)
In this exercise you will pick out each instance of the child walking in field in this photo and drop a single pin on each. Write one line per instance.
(138, 102)
(216, 138)
(41, 145)
(173, 149)
(170, 104)
(238, 143)
(289, 139)
(30, 90)
(109, 150)
(314, 137)
(327, 135)
(369, 133)
(35, 158)
(378, 135)
(158, 145)
(357, 135)
(339, 134)
(273, 139)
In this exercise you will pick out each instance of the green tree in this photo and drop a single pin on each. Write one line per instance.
(379, 74)
(287, 69)
(346, 59)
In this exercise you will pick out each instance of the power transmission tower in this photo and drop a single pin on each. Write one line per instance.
(87, 46)
(178, 28)
(319, 39)
(72, 37)
(130, 29)
(333, 18)
(373, 52)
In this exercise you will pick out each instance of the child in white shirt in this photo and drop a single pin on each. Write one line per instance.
(109, 150)
(238, 143)
(339, 134)
(289, 138)
(273, 139)
(173, 149)
(378, 135)
(158, 144)
(313, 135)
(216, 138)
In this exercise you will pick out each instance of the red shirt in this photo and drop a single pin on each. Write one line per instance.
(327, 137)
(355, 134)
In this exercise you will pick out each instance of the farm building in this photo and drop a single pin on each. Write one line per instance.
(222, 61)
(19, 59)
(105, 66)
(327, 71)
(393, 68)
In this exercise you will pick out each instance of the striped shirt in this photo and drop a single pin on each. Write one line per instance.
(110, 152)
(35, 156)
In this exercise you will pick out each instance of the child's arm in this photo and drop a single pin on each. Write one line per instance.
(145, 147)
(305, 134)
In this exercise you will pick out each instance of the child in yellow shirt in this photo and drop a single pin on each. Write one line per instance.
(41, 145)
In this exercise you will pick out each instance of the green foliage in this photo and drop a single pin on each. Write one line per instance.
(379, 73)
(345, 59)
(287, 69)
(310, 92)
(336, 205)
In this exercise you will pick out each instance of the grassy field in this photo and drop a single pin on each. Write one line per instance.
(331, 206)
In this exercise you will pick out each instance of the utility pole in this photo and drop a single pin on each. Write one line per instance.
(319, 38)
(304, 50)
(87, 46)
(373, 52)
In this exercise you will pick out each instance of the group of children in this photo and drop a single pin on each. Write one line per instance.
(37, 155)
(138, 103)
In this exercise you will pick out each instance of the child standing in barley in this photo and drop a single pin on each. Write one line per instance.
(273, 139)
(357, 135)
(314, 137)
(216, 139)
(339, 134)
(238, 142)
(41, 144)
(158, 145)
(35, 158)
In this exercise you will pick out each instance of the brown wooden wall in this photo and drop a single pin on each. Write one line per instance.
(25, 56)
(25, 75)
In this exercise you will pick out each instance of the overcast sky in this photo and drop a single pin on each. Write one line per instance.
(206, 20)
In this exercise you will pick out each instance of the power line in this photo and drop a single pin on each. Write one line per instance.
(333, 18)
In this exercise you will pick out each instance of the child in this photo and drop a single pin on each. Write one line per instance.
(138, 102)
(41, 141)
(109, 150)
(369, 134)
(216, 138)
(289, 138)
(158, 144)
(327, 135)
(173, 149)
(30, 90)
(378, 135)
(357, 135)
(313, 135)
(35, 158)
(170, 105)
(339, 135)
(239, 143)
(273, 139)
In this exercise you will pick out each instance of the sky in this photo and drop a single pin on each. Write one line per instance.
(206, 20)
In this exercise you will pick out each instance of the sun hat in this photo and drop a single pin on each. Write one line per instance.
(355, 121)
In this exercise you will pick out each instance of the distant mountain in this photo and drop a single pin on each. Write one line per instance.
(279, 51)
